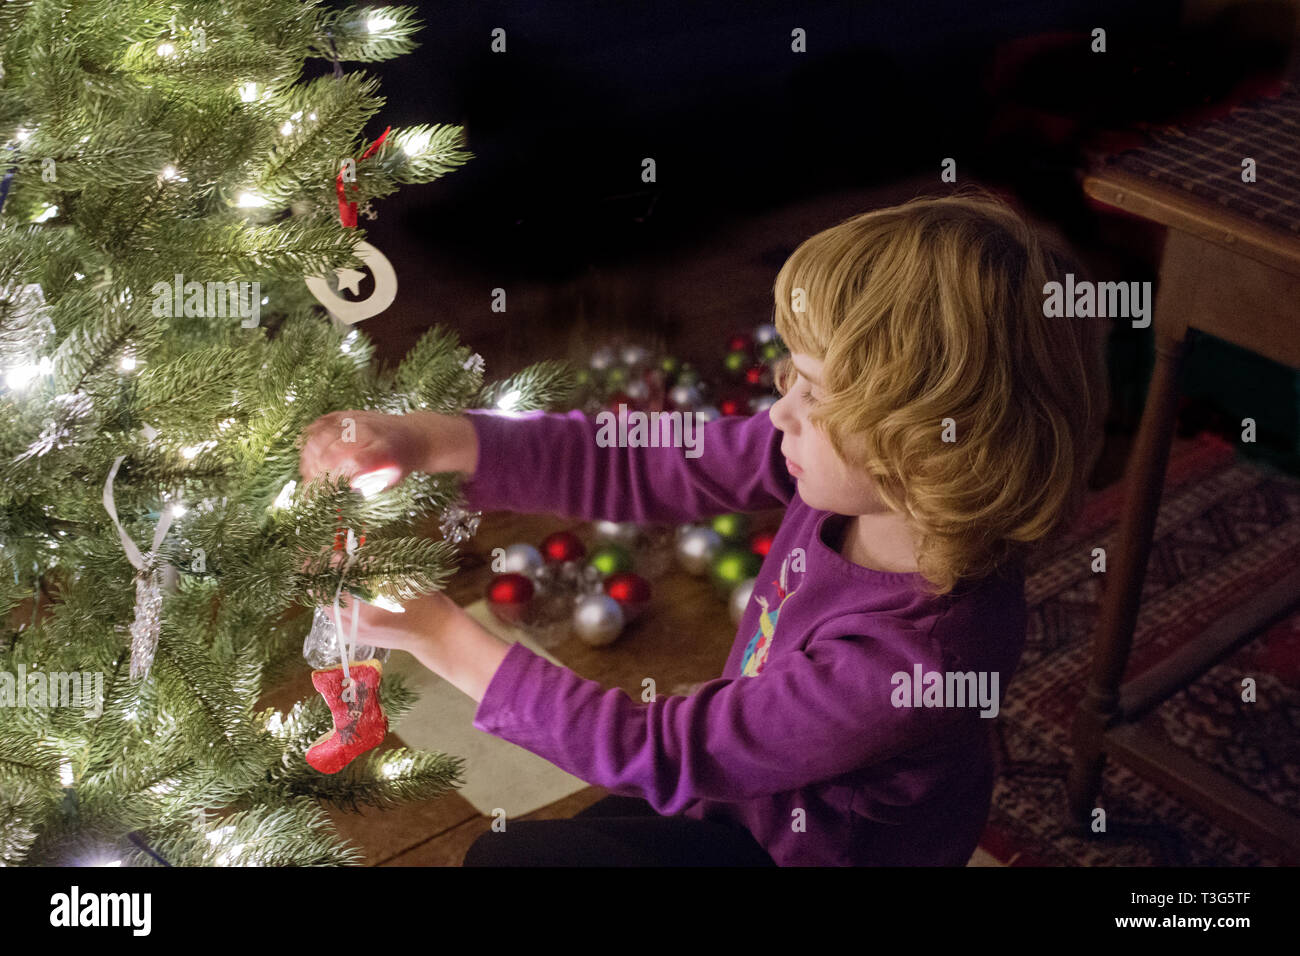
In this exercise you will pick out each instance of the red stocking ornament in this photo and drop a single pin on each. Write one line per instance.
(352, 692)
(359, 722)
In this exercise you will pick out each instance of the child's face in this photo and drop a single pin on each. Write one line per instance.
(826, 481)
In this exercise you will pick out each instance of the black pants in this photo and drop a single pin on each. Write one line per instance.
(618, 831)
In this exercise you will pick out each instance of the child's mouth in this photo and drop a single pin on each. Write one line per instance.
(794, 469)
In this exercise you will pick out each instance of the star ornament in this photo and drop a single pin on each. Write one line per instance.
(350, 279)
(352, 311)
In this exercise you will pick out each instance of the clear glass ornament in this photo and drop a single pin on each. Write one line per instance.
(321, 646)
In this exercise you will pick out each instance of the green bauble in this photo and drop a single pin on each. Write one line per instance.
(610, 559)
(687, 375)
(616, 376)
(736, 362)
(583, 377)
(732, 566)
(731, 528)
(770, 351)
(670, 365)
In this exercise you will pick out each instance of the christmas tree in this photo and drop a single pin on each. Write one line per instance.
(170, 179)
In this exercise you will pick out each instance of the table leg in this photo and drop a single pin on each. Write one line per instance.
(1113, 638)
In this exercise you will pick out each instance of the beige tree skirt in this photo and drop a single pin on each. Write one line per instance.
(498, 774)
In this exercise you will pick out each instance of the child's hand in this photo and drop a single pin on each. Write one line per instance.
(440, 636)
(420, 624)
(375, 450)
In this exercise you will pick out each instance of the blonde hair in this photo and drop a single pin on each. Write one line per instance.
(933, 310)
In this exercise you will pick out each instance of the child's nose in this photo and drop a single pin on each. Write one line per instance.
(778, 412)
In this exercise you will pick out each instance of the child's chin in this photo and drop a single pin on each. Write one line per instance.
(809, 495)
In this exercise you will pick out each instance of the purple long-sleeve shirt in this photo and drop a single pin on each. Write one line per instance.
(800, 740)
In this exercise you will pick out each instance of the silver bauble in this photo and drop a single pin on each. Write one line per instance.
(521, 559)
(597, 619)
(637, 390)
(602, 358)
(684, 396)
(635, 355)
(697, 548)
(624, 533)
(761, 403)
(740, 596)
(765, 333)
(706, 414)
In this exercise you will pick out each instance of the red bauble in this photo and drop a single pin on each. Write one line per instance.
(754, 375)
(738, 343)
(563, 546)
(508, 597)
(729, 406)
(630, 590)
(761, 543)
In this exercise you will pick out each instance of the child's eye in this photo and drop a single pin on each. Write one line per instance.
(808, 397)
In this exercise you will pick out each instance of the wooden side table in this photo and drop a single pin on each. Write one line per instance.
(1224, 273)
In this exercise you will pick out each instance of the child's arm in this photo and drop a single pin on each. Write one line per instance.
(557, 463)
(561, 463)
(811, 716)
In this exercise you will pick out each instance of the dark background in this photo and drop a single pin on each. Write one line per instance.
(552, 207)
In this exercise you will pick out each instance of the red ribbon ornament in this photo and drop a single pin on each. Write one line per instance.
(348, 210)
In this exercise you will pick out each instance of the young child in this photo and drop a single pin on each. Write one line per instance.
(933, 426)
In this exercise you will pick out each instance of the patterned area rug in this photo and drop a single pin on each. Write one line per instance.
(1226, 530)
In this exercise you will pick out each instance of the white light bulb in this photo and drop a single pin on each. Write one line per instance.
(252, 200)
(388, 604)
(395, 768)
(128, 363)
(219, 834)
(373, 482)
(510, 400)
(22, 134)
(285, 496)
(248, 92)
(286, 129)
(178, 510)
(49, 212)
(21, 376)
(65, 773)
(226, 857)
(193, 451)
(417, 143)
(376, 24)
(166, 49)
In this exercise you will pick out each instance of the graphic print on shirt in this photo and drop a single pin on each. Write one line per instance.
(756, 651)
